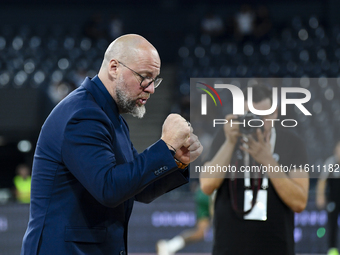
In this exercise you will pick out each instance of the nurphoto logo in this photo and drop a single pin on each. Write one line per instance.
(239, 103)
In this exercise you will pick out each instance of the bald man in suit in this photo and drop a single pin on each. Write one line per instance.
(86, 172)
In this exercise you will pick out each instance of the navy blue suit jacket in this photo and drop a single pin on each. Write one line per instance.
(87, 174)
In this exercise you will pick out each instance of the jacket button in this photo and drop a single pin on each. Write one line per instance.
(122, 253)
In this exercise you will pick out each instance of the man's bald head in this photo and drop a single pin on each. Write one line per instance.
(128, 48)
(126, 56)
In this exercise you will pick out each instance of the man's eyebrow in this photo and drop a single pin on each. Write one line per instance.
(148, 73)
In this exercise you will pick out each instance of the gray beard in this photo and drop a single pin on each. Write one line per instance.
(126, 105)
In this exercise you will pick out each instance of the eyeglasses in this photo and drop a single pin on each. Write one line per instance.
(155, 82)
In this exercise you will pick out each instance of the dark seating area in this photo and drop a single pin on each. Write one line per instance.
(36, 57)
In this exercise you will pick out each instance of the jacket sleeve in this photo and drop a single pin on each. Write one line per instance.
(88, 153)
(163, 185)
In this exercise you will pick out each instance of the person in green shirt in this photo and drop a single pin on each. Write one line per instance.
(22, 183)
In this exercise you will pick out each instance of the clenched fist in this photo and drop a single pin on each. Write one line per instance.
(178, 134)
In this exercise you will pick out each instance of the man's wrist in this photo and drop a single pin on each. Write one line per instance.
(180, 164)
(170, 147)
(173, 153)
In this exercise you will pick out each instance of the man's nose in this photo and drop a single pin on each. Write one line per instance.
(150, 89)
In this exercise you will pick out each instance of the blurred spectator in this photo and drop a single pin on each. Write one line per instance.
(22, 184)
(254, 214)
(212, 24)
(332, 180)
(115, 27)
(244, 23)
(262, 23)
(95, 28)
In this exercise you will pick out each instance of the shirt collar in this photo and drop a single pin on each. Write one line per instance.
(102, 97)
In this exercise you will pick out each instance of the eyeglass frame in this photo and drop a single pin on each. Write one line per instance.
(144, 78)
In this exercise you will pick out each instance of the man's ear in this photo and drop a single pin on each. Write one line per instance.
(113, 69)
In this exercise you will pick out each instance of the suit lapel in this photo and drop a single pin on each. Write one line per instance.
(109, 106)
